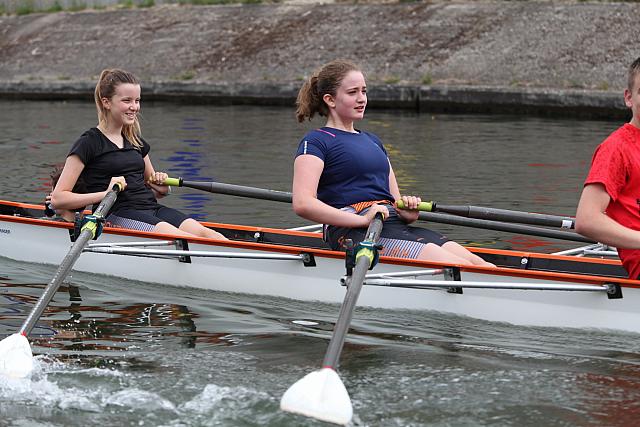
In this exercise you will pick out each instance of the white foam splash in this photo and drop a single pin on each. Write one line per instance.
(213, 395)
(139, 399)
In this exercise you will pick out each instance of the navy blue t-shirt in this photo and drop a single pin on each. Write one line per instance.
(103, 159)
(356, 166)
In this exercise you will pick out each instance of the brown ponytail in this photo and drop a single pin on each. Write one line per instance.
(106, 88)
(324, 81)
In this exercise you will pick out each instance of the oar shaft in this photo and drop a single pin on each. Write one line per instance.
(67, 263)
(502, 226)
(233, 190)
(494, 214)
(51, 289)
(348, 305)
(282, 196)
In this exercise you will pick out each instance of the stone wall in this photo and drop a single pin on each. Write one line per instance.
(540, 57)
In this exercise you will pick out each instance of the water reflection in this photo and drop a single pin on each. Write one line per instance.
(523, 163)
(101, 326)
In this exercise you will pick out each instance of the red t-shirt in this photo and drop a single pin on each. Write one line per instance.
(616, 165)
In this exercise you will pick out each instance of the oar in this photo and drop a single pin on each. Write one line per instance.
(494, 214)
(486, 224)
(282, 196)
(321, 394)
(232, 190)
(16, 359)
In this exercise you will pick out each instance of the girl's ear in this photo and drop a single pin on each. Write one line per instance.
(106, 103)
(328, 99)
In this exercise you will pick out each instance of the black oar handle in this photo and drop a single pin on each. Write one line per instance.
(353, 291)
(86, 234)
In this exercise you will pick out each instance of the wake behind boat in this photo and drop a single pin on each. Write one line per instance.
(525, 288)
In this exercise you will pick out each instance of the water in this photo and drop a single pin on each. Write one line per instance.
(118, 352)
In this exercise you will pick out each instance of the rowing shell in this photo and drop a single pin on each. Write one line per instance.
(525, 289)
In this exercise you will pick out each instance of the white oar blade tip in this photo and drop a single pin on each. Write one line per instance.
(16, 359)
(321, 395)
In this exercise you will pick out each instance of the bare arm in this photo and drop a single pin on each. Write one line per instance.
(306, 175)
(63, 196)
(154, 179)
(410, 214)
(593, 222)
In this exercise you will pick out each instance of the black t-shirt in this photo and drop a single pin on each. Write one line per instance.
(103, 160)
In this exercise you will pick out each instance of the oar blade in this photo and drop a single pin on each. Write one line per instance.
(320, 395)
(16, 359)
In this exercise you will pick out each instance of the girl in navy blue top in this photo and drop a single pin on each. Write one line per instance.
(114, 151)
(342, 176)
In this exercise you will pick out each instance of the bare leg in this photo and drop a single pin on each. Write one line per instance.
(463, 252)
(433, 252)
(194, 227)
(166, 228)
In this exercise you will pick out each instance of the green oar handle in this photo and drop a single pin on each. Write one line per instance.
(422, 206)
(87, 233)
(363, 262)
(174, 182)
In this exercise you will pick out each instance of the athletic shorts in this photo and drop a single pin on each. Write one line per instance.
(397, 238)
(145, 219)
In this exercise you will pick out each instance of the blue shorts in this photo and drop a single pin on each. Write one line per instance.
(145, 219)
(397, 238)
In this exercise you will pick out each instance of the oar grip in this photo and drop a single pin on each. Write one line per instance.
(117, 187)
(173, 182)
(422, 206)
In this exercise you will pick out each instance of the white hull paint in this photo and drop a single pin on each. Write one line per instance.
(41, 242)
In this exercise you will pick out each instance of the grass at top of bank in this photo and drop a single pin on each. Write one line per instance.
(25, 7)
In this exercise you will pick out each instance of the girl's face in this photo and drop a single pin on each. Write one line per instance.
(124, 105)
(632, 100)
(350, 100)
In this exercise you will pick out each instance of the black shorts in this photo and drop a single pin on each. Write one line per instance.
(145, 219)
(397, 238)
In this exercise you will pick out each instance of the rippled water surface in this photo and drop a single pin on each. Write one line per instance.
(118, 352)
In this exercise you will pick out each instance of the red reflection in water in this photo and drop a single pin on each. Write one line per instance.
(548, 165)
(612, 398)
(532, 244)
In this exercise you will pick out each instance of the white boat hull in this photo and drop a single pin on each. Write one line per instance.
(40, 242)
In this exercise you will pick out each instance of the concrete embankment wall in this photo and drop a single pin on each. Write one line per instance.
(560, 58)
(441, 99)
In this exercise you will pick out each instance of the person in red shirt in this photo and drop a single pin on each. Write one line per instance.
(609, 207)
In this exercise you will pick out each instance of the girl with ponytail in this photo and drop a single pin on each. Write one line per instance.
(114, 151)
(343, 177)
